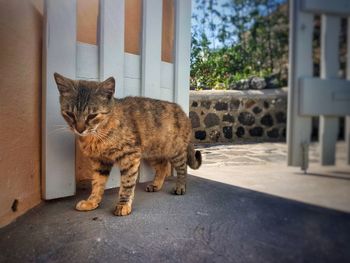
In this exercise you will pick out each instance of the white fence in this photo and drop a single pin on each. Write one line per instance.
(144, 75)
(327, 96)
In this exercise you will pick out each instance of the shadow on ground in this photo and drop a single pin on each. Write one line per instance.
(213, 222)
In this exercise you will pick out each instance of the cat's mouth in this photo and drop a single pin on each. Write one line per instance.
(83, 133)
(91, 131)
(80, 134)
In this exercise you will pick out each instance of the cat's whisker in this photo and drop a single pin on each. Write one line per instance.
(60, 130)
(104, 133)
(105, 139)
(101, 134)
(105, 136)
(97, 135)
(100, 138)
(61, 127)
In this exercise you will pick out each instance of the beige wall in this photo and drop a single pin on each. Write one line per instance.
(133, 26)
(87, 25)
(20, 85)
(168, 30)
(87, 12)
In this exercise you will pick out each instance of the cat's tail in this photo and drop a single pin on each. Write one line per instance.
(194, 158)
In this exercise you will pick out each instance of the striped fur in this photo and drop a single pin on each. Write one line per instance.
(123, 132)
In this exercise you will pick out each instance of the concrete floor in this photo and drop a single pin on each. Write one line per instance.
(219, 219)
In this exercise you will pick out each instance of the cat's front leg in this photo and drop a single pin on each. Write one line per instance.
(101, 171)
(129, 169)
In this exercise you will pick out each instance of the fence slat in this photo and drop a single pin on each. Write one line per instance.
(329, 7)
(347, 138)
(59, 55)
(347, 119)
(329, 125)
(151, 48)
(87, 61)
(151, 60)
(300, 64)
(182, 53)
(324, 96)
(132, 77)
(111, 41)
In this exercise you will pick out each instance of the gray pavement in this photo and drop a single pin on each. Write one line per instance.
(259, 154)
(216, 221)
(262, 167)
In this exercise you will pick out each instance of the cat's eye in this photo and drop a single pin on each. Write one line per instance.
(91, 116)
(70, 115)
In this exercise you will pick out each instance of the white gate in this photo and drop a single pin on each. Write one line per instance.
(144, 75)
(327, 96)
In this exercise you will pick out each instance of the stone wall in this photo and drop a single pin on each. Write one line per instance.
(232, 115)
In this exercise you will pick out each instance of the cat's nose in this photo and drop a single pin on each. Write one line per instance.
(80, 127)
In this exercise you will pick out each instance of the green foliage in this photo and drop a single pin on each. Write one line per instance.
(236, 39)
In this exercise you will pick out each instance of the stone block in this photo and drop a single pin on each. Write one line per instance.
(228, 118)
(200, 135)
(221, 106)
(267, 120)
(246, 118)
(194, 119)
(256, 132)
(211, 120)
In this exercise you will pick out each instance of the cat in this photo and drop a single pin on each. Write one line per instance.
(122, 132)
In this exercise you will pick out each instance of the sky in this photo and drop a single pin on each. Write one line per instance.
(196, 11)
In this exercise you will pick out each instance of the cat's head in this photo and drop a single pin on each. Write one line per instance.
(85, 105)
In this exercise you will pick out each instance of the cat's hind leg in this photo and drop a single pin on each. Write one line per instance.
(179, 162)
(163, 169)
(101, 171)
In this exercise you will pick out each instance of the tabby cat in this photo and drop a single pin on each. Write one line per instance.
(122, 132)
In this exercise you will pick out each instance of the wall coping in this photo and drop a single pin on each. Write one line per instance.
(221, 94)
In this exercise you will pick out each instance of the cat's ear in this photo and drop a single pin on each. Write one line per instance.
(107, 87)
(64, 85)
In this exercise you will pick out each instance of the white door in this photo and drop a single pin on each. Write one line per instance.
(144, 75)
(327, 96)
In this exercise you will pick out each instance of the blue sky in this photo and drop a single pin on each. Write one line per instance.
(200, 13)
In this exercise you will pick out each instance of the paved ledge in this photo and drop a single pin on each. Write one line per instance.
(217, 94)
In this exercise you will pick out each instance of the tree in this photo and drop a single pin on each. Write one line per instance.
(235, 39)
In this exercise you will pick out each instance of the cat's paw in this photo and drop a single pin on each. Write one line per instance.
(152, 188)
(122, 210)
(179, 190)
(86, 205)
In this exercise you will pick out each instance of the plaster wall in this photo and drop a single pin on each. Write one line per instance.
(20, 93)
